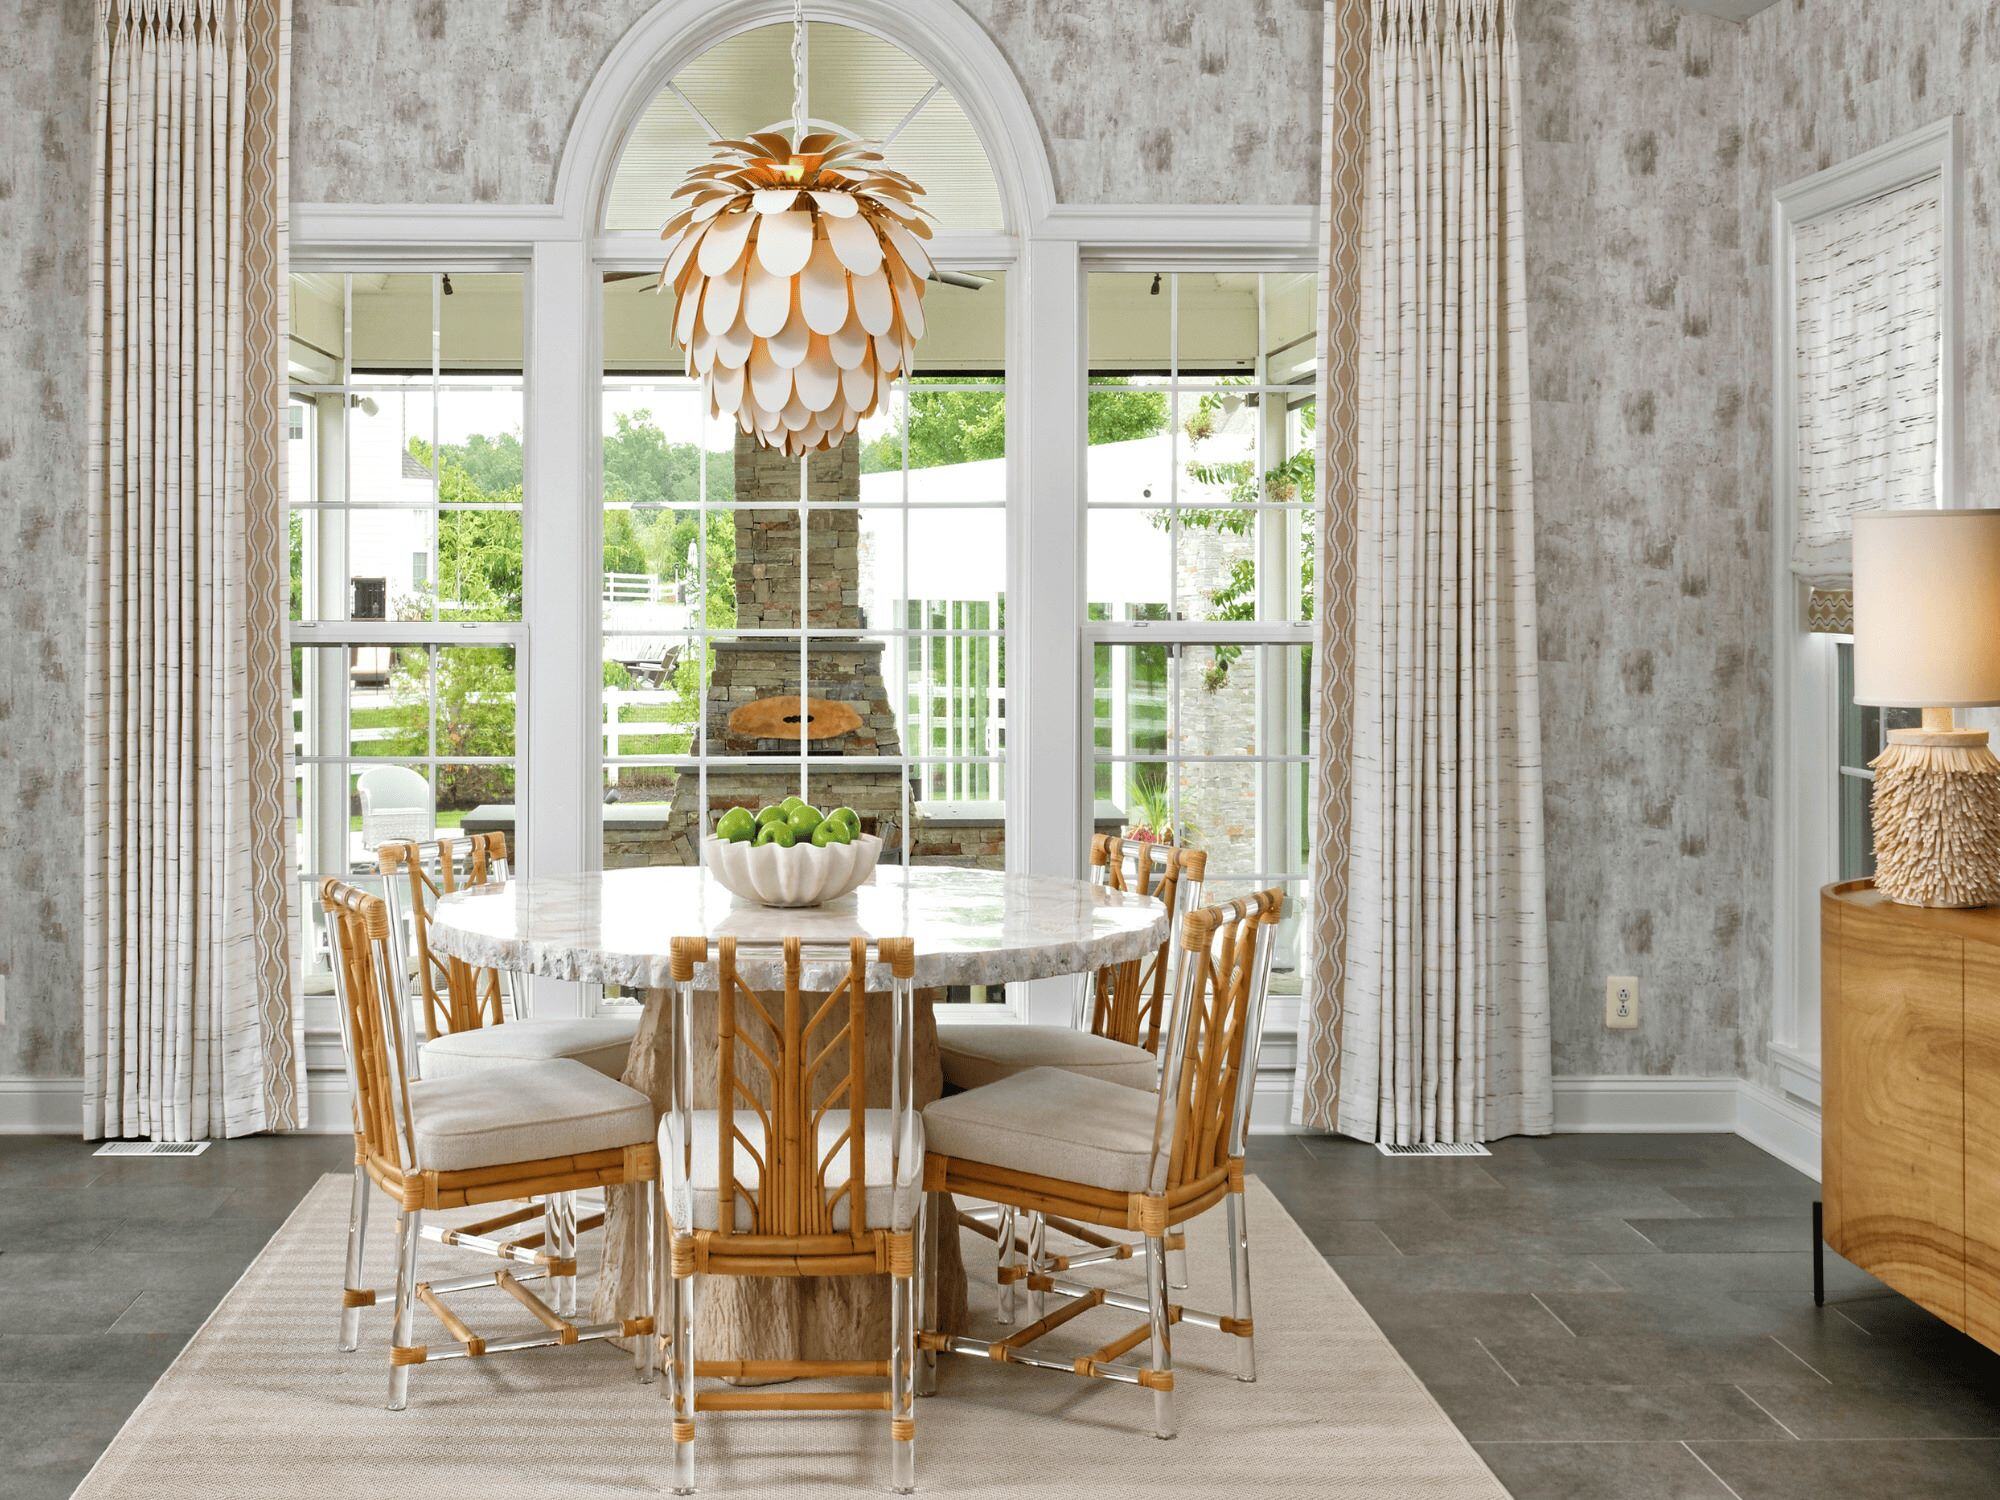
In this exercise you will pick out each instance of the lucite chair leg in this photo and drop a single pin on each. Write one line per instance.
(1239, 1284)
(1162, 1348)
(1038, 1230)
(357, 1235)
(409, 1232)
(680, 1380)
(1177, 1261)
(902, 1409)
(929, 1219)
(645, 1202)
(559, 1239)
(1005, 1315)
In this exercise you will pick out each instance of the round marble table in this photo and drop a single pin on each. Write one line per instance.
(971, 927)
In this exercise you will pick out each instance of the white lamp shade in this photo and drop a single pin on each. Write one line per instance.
(1927, 608)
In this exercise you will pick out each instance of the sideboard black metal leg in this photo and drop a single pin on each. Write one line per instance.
(1819, 1253)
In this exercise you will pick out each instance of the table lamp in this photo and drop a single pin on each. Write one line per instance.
(1927, 635)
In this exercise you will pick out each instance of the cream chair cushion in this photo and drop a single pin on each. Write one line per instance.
(891, 1190)
(1052, 1123)
(524, 1112)
(600, 1043)
(977, 1055)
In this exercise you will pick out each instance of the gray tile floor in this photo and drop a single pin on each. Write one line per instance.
(1606, 1317)
(1631, 1318)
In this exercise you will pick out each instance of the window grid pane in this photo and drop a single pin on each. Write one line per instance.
(879, 582)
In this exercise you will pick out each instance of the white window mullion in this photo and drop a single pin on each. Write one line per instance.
(561, 527)
(1047, 661)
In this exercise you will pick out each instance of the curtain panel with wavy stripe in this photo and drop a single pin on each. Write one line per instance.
(1428, 1013)
(190, 1028)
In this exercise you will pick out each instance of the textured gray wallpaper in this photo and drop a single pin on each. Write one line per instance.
(44, 230)
(1651, 543)
(1823, 81)
(1654, 138)
(425, 101)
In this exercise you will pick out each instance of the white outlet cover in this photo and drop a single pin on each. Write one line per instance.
(1621, 1002)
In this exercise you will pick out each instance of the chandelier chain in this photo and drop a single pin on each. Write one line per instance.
(798, 70)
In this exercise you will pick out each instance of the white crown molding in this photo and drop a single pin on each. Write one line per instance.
(1177, 233)
(1151, 235)
(419, 230)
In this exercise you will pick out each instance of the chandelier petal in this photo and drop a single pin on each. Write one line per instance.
(800, 284)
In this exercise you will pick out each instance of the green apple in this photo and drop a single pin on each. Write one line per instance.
(769, 815)
(791, 802)
(831, 831)
(804, 819)
(848, 816)
(736, 825)
(776, 833)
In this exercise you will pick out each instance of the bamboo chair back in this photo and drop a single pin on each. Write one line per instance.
(1127, 1002)
(791, 1062)
(1211, 1060)
(451, 994)
(374, 1030)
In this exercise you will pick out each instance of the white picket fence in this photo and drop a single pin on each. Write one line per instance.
(616, 701)
(639, 588)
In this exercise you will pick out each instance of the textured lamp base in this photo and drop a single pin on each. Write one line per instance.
(1936, 809)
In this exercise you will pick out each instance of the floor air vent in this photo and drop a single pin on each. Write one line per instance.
(1433, 1148)
(151, 1148)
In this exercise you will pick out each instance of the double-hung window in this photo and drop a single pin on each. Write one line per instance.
(406, 498)
(1199, 501)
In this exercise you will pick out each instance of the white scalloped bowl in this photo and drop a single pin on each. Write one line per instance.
(803, 875)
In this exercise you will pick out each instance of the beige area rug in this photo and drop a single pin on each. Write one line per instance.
(261, 1404)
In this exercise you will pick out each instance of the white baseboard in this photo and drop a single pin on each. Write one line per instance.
(1587, 1105)
(41, 1106)
(1773, 1122)
(1776, 1123)
(1781, 1125)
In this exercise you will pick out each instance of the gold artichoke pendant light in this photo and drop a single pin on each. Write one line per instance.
(798, 269)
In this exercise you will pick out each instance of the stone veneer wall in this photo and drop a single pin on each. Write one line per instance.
(768, 583)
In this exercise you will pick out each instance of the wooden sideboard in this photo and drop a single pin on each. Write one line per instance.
(1910, 1099)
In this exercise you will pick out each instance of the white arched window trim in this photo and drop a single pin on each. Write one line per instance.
(1045, 247)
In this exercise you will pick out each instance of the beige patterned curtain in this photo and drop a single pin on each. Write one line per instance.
(1343, 181)
(189, 1024)
(1445, 1015)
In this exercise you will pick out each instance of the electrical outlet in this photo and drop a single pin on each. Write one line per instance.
(1621, 1002)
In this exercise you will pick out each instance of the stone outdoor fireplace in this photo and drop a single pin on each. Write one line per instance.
(760, 701)
(754, 706)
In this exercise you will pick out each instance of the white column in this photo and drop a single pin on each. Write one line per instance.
(1046, 806)
(555, 806)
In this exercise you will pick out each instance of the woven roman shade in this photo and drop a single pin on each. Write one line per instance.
(1866, 372)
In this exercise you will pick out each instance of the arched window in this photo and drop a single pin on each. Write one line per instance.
(866, 592)
(856, 82)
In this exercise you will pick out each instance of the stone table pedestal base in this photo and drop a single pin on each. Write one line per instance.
(742, 1317)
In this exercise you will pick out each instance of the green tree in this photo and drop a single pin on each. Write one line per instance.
(1293, 477)
(962, 427)
(479, 551)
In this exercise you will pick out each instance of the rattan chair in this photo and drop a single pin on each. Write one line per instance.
(1048, 1142)
(793, 1175)
(556, 1128)
(473, 1021)
(472, 1017)
(1115, 1036)
(1116, 1031)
